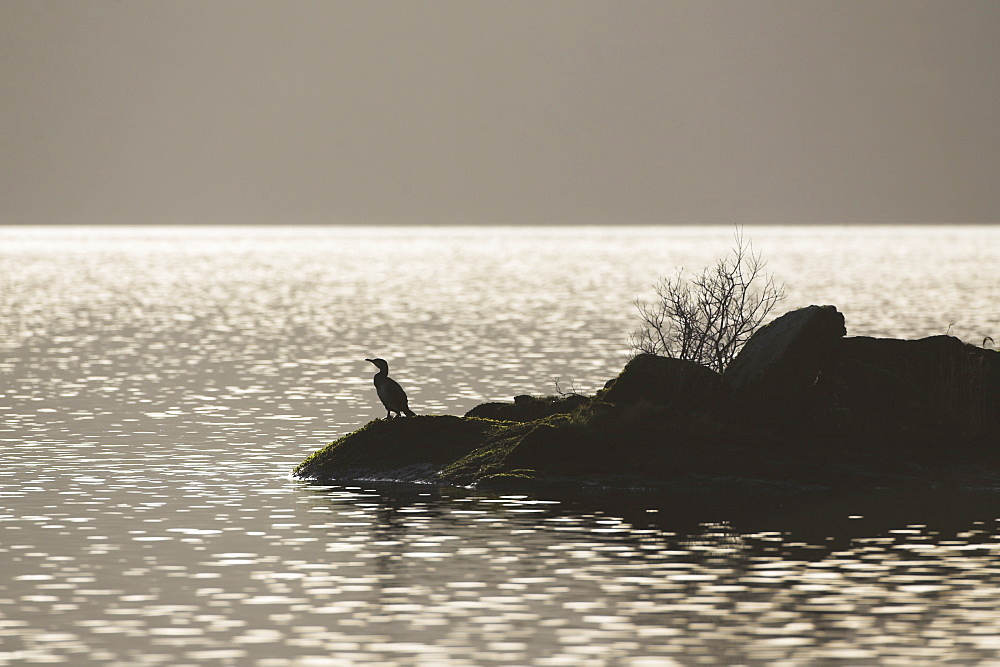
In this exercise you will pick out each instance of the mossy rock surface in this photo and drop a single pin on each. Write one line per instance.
(404, 449)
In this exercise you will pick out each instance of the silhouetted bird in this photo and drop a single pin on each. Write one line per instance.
(389, 392)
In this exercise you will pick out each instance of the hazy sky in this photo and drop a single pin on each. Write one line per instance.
(480, 111)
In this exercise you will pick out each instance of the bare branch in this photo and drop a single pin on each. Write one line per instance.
(710, 316)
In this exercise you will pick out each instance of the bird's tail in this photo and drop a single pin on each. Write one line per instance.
(409, 412)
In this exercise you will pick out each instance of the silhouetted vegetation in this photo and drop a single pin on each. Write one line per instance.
(708, 318)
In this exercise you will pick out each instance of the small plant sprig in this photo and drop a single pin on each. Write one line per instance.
(572, 388)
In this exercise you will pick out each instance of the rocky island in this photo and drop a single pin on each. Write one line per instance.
(802, 408)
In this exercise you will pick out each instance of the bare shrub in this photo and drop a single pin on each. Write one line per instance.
(708, 318)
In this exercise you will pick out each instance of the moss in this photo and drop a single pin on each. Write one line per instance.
(427, 442)
(445, 449)
(319, 459)
(490, 457)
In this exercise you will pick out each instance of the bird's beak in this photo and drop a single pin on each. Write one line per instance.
(370, 360)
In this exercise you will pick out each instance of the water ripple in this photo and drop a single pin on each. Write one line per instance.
(157, 385)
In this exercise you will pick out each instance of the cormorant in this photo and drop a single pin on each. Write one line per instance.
(389, 392)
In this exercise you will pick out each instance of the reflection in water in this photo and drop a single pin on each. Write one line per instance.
(155, 390)
(392, 574)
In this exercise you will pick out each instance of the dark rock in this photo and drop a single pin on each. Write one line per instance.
(777, 375)
(550, 448)
(674, 384)
(529, 408)
(918, 389)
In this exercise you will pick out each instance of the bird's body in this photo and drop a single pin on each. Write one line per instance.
(389, 392)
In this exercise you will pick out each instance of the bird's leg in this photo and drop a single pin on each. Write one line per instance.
(388, 415)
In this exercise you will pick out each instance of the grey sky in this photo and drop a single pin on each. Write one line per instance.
(499, 112)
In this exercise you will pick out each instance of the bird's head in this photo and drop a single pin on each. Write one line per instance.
(382, 364)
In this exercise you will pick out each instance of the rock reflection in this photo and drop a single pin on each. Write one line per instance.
(397, 574)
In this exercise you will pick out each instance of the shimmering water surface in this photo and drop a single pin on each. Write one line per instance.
(157, 385)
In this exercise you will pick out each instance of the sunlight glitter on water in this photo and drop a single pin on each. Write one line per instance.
(158, 385)
(372, 575)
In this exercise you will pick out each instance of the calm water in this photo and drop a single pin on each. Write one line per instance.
(158, 385)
